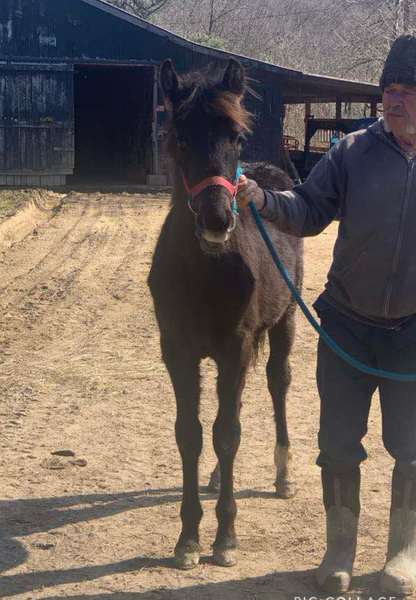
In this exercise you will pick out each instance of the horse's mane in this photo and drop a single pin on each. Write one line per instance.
(205, 88)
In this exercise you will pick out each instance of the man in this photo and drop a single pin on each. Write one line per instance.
(369, 309)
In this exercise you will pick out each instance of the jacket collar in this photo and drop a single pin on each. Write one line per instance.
(379, 130)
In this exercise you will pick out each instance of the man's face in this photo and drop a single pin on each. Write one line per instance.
(399, 106)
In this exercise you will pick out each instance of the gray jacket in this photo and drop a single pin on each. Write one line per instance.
(373, 184)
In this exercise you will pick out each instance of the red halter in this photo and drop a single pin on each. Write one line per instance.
(209, 181)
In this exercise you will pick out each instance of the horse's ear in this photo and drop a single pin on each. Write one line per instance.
(169, 80)
(235, 77)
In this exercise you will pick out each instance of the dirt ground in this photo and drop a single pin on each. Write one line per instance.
(81, 373)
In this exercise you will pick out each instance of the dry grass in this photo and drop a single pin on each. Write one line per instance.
(11, 200)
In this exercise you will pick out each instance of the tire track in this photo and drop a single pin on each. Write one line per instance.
(64, 301)
(22, 252)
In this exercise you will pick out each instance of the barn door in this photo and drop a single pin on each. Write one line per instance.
(36, 124)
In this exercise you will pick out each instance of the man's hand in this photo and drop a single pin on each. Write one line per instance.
(249, 190)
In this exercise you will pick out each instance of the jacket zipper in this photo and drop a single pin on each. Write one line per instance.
(389, 289)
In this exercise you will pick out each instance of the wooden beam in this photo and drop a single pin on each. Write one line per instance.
(154, 123)
(338, 109)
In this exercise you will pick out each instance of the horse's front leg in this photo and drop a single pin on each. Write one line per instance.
(183, 368)
(227, 430)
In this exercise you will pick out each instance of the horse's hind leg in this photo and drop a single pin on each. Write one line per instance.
(278, 377)
(183, 368)
(215, 480)
(227, 431)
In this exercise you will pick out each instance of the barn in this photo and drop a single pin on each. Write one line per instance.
(79, 97)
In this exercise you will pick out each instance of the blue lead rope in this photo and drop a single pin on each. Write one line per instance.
(355, 363)
(238, 172)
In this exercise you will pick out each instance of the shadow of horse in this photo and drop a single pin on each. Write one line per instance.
(270, 586)
(20, 518)
(279, 585)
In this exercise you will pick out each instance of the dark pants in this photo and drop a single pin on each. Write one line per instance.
(346, 396)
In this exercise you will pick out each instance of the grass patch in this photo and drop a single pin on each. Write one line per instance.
(12, 200)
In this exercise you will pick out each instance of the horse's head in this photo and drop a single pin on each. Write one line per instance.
(208, 125)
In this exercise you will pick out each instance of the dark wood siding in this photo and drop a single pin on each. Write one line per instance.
(267, 109)
(36, 119)
(40, 39)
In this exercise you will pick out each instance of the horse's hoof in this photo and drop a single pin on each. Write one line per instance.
(226, 557)
(186, 559)
(286, 490)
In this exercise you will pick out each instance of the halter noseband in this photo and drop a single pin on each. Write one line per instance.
(211, 181)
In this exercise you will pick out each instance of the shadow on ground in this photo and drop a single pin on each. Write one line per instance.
(280, 585)
(26, 517)
(19, 518)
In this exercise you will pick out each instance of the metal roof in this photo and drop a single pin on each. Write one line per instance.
(299, 87)
(319, 88)
(173, 37)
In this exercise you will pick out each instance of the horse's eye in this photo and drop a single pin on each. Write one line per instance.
(182, 142)
(237, 138)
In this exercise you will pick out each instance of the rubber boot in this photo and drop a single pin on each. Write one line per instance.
(399, 573)
(342, 504)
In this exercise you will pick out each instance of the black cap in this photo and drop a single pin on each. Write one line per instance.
(400, 65)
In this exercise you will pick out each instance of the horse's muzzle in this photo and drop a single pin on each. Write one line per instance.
(214, 242)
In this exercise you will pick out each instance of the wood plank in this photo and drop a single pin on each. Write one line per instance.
(33, 180)
(46, 181)
(2, 149)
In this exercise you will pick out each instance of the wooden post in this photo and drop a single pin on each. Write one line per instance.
(338, 109)
(307, 117)
(373, 106)
(154, 124)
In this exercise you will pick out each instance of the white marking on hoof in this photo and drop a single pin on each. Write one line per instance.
(337, 582)
(286, 490)
(285, 480)
(226, 557)
(186, 560)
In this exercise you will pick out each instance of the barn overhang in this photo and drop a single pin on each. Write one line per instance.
(308, 88)
(298, 86)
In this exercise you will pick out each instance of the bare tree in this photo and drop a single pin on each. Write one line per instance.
(142, 8)
(341, 38)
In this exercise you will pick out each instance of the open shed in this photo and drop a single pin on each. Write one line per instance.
(79, 93)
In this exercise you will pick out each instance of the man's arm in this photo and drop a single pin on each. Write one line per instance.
(310, 207)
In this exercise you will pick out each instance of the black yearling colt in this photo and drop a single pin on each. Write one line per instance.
(216, 291)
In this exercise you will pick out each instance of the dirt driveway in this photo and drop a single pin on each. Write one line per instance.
(81, 373)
